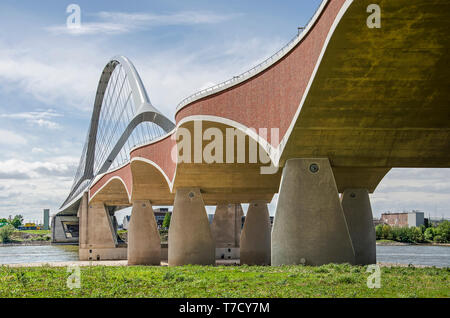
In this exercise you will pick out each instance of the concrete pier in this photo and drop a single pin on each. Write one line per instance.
(144, 243)
(310, 226)
(358, 213)
(98, 238)
(226, 230)
(190, 239)
(255, 237)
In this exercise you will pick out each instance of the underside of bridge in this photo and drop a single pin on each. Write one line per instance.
(347, 102)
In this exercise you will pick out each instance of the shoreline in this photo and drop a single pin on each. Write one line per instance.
(27, 243)
(395, 243)
(121, 263)
(383, 243)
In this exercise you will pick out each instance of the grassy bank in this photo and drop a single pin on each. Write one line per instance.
(30, 236)
(8, 235)
(225, 281)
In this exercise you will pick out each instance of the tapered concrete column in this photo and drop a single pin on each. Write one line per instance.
(310, 226)
(98, 239)
(190, 239)
(144, 243)
(255, 237)
(358, 213)
(226, 225)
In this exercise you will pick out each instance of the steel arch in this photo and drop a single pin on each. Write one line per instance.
(144, 112)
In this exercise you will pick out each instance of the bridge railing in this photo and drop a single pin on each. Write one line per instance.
(256, 69)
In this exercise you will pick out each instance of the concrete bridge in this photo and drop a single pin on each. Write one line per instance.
(321, 123)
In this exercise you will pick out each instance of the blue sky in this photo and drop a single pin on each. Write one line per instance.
(49, 75)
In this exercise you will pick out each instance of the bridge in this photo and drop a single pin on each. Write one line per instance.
(321, 122)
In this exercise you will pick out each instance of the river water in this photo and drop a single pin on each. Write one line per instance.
(36, 254)
(417, 255)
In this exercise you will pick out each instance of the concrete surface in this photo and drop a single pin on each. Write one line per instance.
(255, 237)
(98, 239)
(309, 226)
(226, 225)
(144, 243)
(358, 214)
(58, 231)
(190, 239)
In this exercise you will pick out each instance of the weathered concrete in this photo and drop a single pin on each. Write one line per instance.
(98, 238)
(99, 254)
(226, 230)
(227, 253)
(358, 213)
(60, 234)
(190, 239)
(144, 243)
(255, 237)
(226, 225)
(82, 214)
(310, 226)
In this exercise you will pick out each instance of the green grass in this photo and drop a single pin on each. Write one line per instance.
(30, 235)
(225, 281)
(41, 232)
(386, 241)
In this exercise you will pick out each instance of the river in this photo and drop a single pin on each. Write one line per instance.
(37, 254)
(410, 254)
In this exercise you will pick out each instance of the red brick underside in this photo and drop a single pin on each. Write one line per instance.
(271, 99)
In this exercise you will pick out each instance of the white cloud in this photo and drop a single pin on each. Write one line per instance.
(10, 138)
(19, 169)
(122, 22)
(39, 118)
(64, 77)
(425, 189)
(178, 18)
(191, 71)
(37, 150)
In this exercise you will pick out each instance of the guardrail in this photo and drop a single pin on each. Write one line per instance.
(254, 70)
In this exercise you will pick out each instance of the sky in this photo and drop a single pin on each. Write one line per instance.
(49, 76)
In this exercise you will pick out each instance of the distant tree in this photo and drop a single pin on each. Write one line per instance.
(429, 234)
(379, 231)
(6, 232)
(422, 228)
(17, 221)
(443, 231)
(415, 234)
(386, 232)
(3, 221)
(166, 222)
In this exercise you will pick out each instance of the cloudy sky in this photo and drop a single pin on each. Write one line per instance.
(49, 75)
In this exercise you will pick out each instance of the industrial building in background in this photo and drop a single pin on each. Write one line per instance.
(403, 219)
(46, 219)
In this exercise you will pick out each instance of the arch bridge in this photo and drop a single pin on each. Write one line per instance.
(326, 118)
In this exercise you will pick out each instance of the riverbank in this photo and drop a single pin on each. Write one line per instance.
(379, 242)
(395, 243)
(231, 262)
(28, 237)
(224, 281)
(26, 243)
